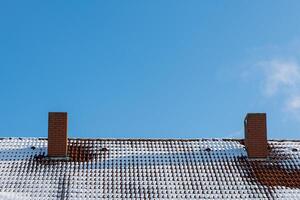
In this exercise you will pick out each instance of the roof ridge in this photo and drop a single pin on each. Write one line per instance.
(153, 139)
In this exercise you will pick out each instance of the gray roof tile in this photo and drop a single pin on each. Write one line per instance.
(148, 169)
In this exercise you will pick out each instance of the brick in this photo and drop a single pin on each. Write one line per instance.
(256, 135)
(57, 134)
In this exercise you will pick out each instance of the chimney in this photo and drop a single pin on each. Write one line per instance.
(256, 135)
(57, 134)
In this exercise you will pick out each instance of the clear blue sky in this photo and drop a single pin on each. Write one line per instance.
(180, 69)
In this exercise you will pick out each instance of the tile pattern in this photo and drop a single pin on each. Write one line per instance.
(148, 169)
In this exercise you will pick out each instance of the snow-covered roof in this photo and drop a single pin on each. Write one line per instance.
(148, 169)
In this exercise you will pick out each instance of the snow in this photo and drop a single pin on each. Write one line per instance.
(140, 169)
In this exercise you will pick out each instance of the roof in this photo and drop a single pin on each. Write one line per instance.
(148, 169)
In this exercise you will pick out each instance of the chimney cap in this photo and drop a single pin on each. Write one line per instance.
(255, 114)
(57, 112)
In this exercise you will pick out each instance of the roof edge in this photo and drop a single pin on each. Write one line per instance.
(152, 139)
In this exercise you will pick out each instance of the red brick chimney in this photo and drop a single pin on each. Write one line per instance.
(256, 135)
(57, 134)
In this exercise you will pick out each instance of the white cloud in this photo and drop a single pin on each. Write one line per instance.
(280, 76)
(293, 103)
(235, 134)
(275, 72)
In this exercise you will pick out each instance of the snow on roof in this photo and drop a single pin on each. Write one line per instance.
(148, 169)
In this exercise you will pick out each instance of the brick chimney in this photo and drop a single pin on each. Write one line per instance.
(256, 135)
(57, 134)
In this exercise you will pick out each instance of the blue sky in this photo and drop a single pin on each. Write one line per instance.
(180, 69)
